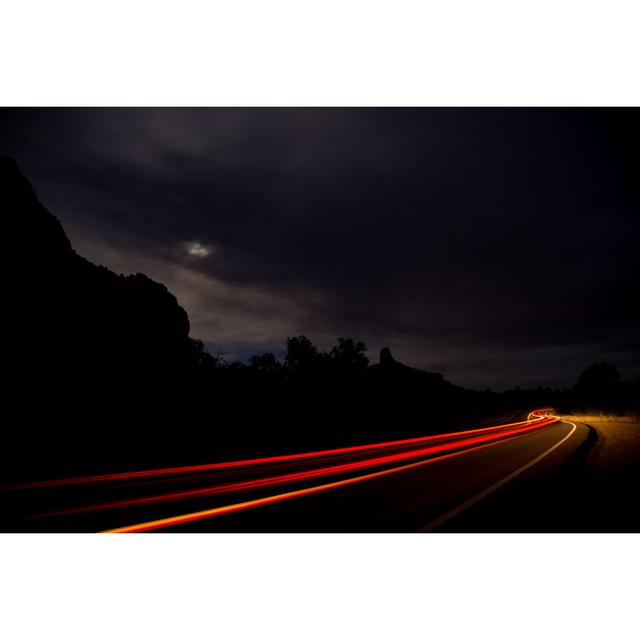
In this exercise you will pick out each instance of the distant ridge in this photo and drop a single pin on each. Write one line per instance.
(389, 370)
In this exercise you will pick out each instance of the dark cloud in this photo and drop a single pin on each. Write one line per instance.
(495, 245)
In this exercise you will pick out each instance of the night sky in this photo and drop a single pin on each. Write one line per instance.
(496, 246)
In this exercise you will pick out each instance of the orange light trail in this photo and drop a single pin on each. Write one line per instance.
(241, 506)
(149, 473)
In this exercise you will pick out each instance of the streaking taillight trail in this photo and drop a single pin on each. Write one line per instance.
(535, 416)
(463, 446)
(301, 476)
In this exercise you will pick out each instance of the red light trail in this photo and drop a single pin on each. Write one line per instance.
(150, 473)
(288, 478)
(479, 442)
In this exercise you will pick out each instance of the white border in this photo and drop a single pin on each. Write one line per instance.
(333, 52)
(341, 587)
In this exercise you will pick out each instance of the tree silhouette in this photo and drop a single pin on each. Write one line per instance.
(201, 357)
(349, 356)
(302, 356)
(267, 363)
(598, 386)
(598, 378)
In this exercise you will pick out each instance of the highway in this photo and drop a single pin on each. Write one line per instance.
(419, 484)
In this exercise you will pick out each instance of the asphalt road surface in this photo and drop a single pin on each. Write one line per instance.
(523, 476)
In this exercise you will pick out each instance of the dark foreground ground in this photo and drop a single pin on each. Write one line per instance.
(577, 475)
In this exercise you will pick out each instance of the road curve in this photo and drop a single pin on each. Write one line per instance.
(417, 484)
(410, 500)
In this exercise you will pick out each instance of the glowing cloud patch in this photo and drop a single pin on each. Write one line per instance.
(196, 250)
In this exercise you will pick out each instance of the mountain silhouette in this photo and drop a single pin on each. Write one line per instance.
(94, 362)
(78, 319)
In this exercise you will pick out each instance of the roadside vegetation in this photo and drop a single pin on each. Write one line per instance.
(627, 417)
